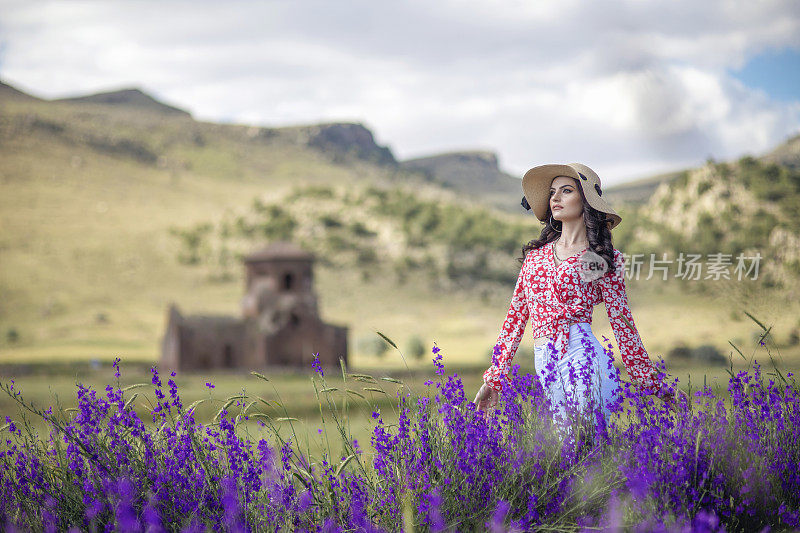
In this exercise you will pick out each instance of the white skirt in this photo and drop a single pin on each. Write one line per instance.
(583, 380)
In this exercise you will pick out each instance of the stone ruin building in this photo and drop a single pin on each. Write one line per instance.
(280, 323)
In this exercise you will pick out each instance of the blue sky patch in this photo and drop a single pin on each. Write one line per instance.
(776, 72)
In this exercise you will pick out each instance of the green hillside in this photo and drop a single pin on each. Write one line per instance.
(96, 201)
(745, 207)
(111, 209)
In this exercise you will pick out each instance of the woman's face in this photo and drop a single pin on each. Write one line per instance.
(565, 199)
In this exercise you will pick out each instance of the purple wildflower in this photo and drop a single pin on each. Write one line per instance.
(317, 366)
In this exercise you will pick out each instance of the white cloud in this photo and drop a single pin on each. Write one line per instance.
(628, 87)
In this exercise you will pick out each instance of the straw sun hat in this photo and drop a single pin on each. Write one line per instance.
(536, 186)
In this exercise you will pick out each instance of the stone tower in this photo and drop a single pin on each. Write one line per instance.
(280, 322)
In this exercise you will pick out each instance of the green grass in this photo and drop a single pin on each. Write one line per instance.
(294, 389)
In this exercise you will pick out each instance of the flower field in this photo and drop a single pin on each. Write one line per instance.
(716, 460)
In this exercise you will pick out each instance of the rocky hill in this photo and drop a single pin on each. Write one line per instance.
(748, 206)
(638, 192)
(9, 93)
(132, 124)
(343, 140)
(787, 154)
(473, 173)
(131, 97)
(113, 123)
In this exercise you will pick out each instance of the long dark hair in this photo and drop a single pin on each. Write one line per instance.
(597, 232)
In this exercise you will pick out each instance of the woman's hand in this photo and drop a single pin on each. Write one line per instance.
(487, 397)
(673, 400)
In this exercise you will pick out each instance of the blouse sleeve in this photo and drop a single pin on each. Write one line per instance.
(640, 368)
(510, 335)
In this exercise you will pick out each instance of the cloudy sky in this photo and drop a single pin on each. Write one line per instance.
(630, 88)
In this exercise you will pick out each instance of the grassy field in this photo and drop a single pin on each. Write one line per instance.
(295, 390)
(463, 324)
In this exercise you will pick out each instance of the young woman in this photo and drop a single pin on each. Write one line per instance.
(569, 269)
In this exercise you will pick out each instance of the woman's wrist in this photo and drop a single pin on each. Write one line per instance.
(491, 386)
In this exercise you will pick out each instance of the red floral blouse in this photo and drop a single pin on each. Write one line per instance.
(555, 297)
